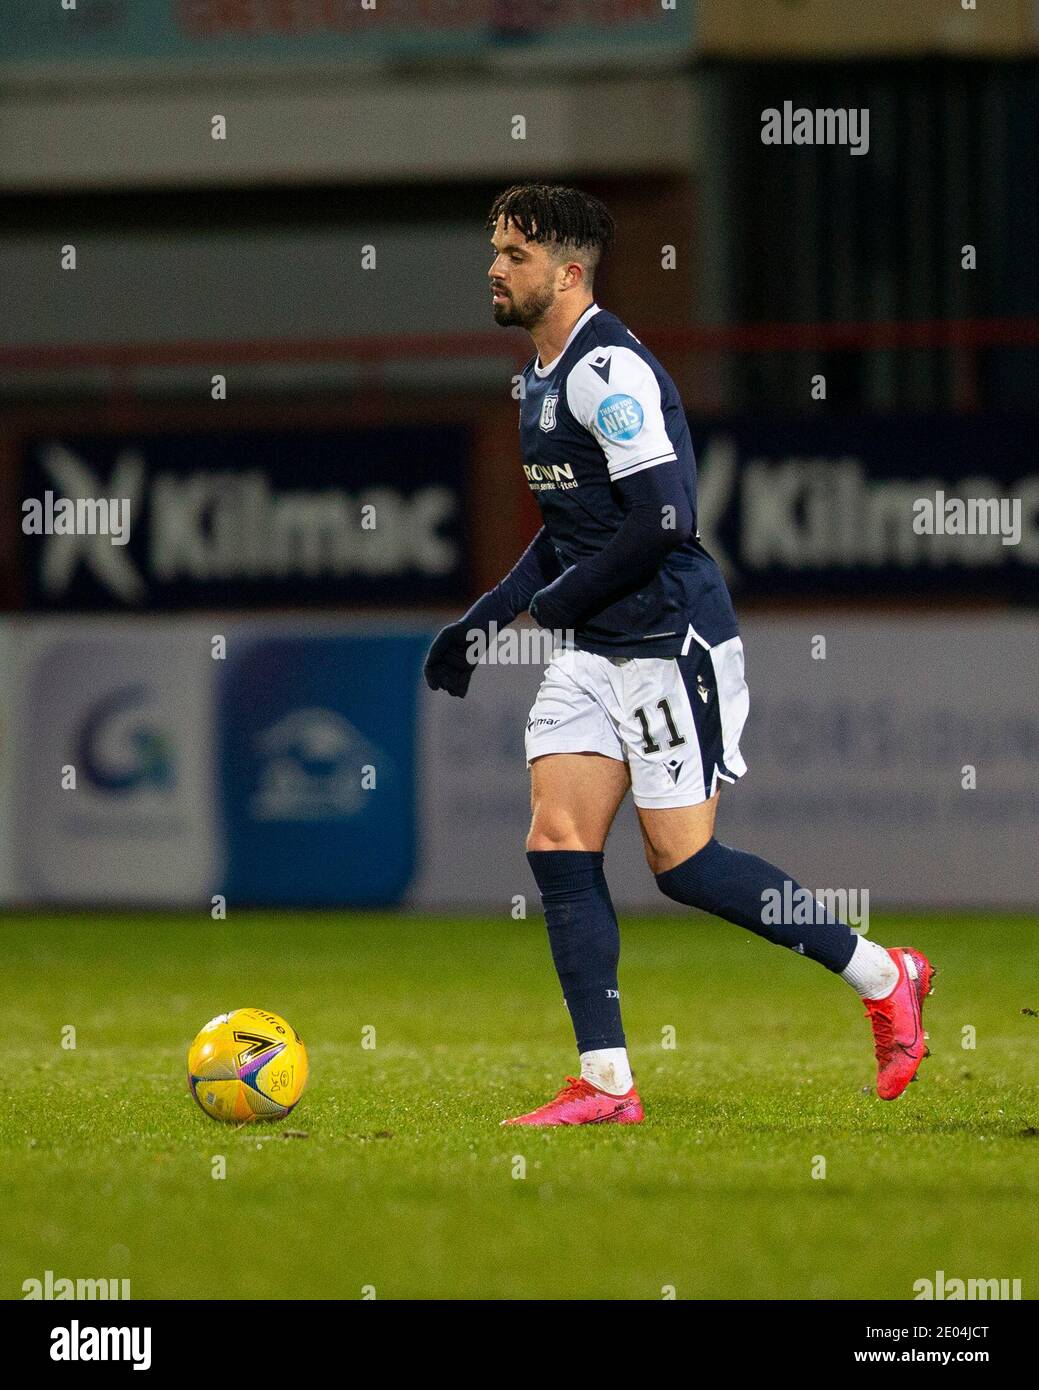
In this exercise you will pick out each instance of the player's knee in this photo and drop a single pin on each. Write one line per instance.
(658, 861)
(555, 833)
(671, 838)
(695, 860)
(662, 860)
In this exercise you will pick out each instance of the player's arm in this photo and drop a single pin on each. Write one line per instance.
(447, 665)
(657, 518)
(614, 394)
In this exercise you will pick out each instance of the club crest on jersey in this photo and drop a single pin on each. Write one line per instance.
(620, 417)
(548, 411)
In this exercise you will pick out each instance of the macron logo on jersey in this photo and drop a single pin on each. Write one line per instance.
(620, 417)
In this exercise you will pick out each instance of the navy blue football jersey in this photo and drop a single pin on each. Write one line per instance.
(602, 411)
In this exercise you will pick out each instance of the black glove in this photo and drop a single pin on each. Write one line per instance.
(447, 665)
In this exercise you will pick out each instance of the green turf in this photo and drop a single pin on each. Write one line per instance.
(405, 1182)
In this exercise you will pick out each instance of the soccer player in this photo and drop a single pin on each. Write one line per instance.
(645, 688)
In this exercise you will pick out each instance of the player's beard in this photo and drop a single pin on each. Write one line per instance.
(526, 315)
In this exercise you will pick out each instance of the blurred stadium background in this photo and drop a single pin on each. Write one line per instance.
(255, 337)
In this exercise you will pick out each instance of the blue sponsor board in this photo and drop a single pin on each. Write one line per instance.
(245, 519)
(318, 767)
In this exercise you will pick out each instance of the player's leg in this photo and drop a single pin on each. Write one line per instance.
(670, 836)
(753, 893)
(574, 798)
(578, 780)
(692, 867)
(700, 703)
(687, 717)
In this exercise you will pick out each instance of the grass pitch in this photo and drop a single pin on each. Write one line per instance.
(392, 1174)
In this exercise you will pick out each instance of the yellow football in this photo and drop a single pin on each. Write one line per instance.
(247, 1065)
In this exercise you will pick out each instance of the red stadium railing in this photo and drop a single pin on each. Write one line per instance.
(372, 354)
(375, 348)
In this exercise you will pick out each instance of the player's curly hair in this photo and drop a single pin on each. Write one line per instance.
(563, 217)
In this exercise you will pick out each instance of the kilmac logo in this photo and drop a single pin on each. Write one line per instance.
(620, 417)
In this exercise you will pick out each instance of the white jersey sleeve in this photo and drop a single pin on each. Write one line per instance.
(613, 393)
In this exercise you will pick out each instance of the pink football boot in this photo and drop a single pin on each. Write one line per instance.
(581, 1103)
(898, 1024)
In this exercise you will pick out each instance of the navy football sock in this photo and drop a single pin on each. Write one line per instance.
(751, 892)
(585, 941)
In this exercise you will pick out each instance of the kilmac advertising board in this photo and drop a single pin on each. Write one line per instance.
(244, 520)
(868, 508)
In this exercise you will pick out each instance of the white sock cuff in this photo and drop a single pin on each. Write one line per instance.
(871, 972)
(609, 1069)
